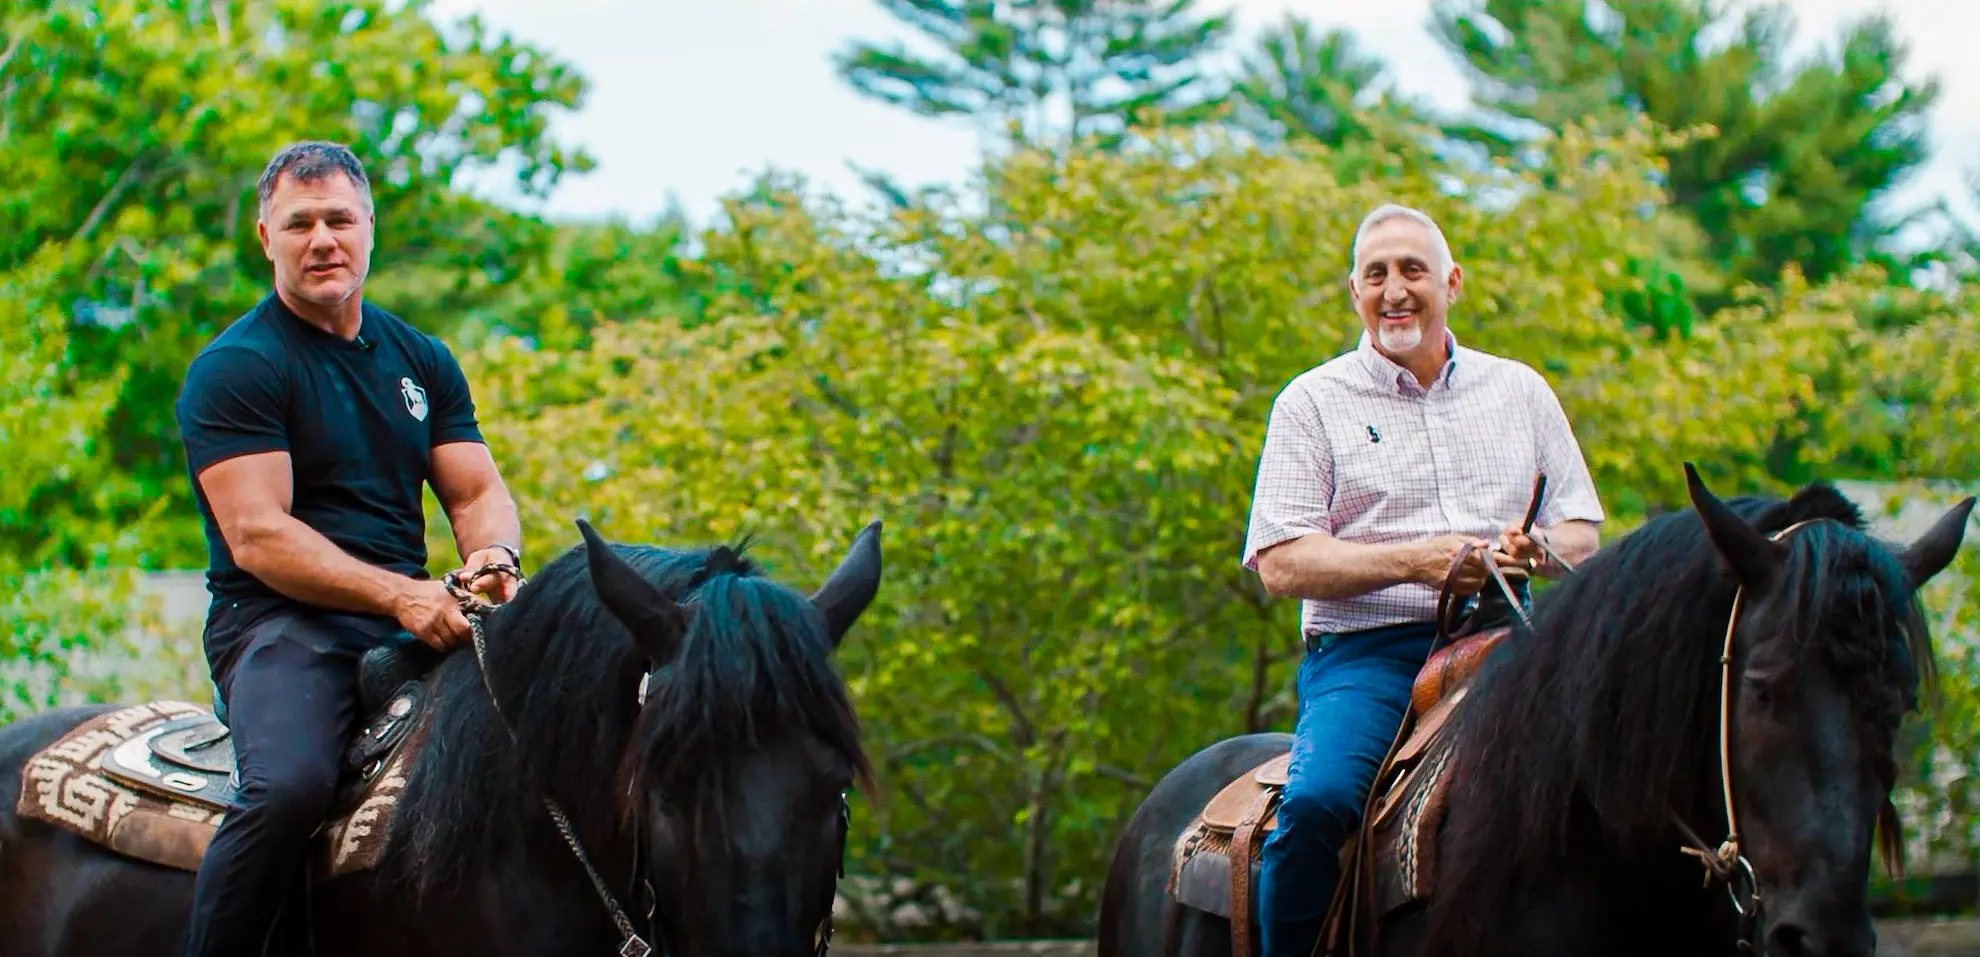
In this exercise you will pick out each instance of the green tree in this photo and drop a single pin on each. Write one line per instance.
(1052, 385)
(589, 274)
(1042, 69)
(53, 419)
(134, 131)
(1301, 82)
(52, 426)
(1803, 153)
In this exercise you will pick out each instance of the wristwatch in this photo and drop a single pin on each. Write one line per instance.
(515, 554)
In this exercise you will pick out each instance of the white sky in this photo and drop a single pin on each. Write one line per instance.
(690, 98)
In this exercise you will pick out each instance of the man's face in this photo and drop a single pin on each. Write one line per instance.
(1398, 291)
(318, 236)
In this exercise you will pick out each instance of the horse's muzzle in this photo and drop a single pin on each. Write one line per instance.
(1800, 932)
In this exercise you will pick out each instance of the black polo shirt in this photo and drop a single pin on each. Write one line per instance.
(359, 419)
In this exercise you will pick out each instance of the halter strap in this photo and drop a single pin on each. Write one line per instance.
(1725, 862)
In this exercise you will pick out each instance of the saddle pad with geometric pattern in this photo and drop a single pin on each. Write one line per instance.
(105, 782)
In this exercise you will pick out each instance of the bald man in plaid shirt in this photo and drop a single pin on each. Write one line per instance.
(1378, 466)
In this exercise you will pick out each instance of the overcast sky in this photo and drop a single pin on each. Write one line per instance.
(689, 98)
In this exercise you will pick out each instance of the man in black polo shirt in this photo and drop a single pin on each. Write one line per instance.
(310, 425)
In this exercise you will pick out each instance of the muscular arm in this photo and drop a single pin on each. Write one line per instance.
(251, 496)
(477, 502)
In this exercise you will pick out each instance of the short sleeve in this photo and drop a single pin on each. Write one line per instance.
(1294, 493)
(453, 403)
(234, 402)
(1571, 492)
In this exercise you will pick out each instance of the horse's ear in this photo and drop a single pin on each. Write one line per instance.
(852, 585)
(1753, 556)
(1934, 550)
(656, 622)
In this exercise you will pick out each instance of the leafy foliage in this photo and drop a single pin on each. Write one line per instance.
(53, 418)
(134, 131)
(74, 636)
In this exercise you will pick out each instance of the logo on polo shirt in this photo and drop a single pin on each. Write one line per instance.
(415, 398)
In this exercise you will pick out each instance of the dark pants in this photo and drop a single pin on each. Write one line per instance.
(1353, 693)
(291, 698)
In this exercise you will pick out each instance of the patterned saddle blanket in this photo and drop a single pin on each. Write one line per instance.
(153, 781)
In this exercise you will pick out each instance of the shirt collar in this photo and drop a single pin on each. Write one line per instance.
(1387, 372)
(317, 333)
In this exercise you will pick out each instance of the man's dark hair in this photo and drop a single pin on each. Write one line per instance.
(312, 160)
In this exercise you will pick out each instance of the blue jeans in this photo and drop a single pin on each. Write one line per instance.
(1353, 692)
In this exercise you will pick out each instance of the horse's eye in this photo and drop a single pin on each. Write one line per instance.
(1760, 687)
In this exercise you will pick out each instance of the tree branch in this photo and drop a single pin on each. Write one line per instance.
(220, 21)
(1252, 592)
(14, 43)
(125, 181)
(234, 210)
(1022, 733)
(1192, 326)
(1124, 776)
(1261, 666)
(980, 742)
(1038, 830)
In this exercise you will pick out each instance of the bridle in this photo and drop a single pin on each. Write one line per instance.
(1725, 863)
(474, 608)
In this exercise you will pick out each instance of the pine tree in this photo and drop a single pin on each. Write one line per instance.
(1802, 153)
(1302, 83)
(1039, 70)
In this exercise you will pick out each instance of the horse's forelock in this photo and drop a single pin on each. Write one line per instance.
(755, 667)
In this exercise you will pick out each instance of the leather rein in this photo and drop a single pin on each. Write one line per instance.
(474, 608)
(1447, 605)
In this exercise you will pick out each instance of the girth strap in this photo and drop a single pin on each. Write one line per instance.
(1254, 816)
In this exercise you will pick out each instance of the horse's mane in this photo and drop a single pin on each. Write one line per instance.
(1606, 709)
(754, 664)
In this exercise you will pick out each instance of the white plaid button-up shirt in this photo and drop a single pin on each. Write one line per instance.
(1356, 448)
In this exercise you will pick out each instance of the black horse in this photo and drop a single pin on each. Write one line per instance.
(1589, 744)
(680, 710)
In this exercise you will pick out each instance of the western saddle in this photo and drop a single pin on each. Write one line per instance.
(152, 781)
(1214, 867)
